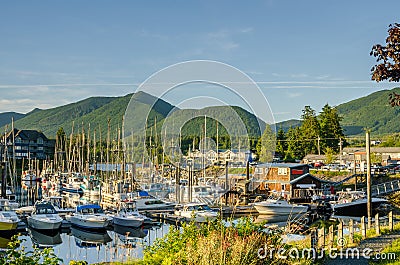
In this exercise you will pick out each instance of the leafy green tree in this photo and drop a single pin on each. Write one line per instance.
(331, 131)
(266, 145)
(388, 59)
(310, 130)
(329, 155)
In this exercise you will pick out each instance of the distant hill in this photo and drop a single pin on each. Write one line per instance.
(96, 111)
(6, 117)
(285, 125)
(373, 112)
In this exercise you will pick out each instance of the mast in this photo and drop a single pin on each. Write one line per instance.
(217, 142)
(108, 148)
(204, 148)
(70, 149)
(14, 172)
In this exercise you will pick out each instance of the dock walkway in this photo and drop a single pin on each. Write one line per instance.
(376, 244)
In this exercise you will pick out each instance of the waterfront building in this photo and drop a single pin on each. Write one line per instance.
(28, 144)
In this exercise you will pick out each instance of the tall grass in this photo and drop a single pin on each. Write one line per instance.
(235, 243)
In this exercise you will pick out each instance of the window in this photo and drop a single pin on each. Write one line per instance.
(40, 140)
(18, 140)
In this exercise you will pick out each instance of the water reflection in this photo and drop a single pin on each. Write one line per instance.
(89, 238)
(5, 237)
(45, 239)
(128, 235)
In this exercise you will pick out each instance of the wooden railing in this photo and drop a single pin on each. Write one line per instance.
(334, 236)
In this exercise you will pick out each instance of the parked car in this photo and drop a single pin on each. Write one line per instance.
(318, 164)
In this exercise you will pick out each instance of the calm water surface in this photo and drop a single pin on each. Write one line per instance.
(120, 244)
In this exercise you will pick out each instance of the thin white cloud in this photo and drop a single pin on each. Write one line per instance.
(294, 94)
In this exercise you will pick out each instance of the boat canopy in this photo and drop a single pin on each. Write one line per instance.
(88, 206)
(143, 193)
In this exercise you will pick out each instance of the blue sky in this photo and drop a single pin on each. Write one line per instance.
(298, 52)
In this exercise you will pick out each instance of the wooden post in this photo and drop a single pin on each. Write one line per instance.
(369, 197)
(351, 231)
(314, 238)
(340, 235)
(321, 238)
(363, 228)
(377, 225)
(391, 221)
(331, 236)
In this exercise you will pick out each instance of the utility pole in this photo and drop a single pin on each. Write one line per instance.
(340, 150)
(369, 199)
(319, 149)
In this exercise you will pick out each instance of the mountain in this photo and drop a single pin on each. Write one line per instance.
(6, 117)
(96, 111)
(373, 112)
(285, 125)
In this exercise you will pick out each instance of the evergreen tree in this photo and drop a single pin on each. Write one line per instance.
(310, 131)
(266, 145)
(281, 144)
(330, 130)
(294, 145)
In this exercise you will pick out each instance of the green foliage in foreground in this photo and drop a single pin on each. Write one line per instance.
(216, 243)
(15, 254)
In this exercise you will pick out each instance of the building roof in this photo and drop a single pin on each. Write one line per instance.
(307, 175)
(281, 165)
(349, 150)
(27, 134)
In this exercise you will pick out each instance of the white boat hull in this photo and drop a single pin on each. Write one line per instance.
(198, 217)
(90, 221)
(268, 208)
(128, 220)
(45, 221)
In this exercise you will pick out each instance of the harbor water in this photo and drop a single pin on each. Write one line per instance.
(119, 244)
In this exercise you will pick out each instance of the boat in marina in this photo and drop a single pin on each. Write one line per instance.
(44, 217)
(354, 203)
(90, 186)
(90, 216)
(198, 212)
(8, 217)
(158, 190)
(128, 215)
(146, 202)
(276, 206)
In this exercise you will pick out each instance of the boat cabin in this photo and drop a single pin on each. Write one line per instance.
(44, 208)
(89, 209)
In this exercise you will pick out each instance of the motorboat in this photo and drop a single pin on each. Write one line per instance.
(90, 216)
(45, 239)
(276, 206)
(58, 203)
(158, 190)
(146, 202)
(354, 203)
(198, 212)
(128, 215)
(8, 217)
(89, 238)
(44, 217)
